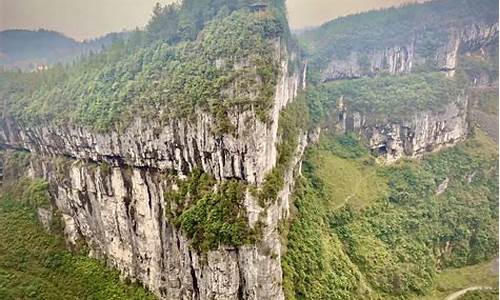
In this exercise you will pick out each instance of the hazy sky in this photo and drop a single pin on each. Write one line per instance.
(83, 19)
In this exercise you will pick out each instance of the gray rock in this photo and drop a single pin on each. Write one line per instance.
(402, 59)
(411, 136)
(119, 211)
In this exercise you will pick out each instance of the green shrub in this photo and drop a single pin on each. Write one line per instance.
(211, 214)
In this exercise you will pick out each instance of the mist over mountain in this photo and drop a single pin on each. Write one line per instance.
(29, 49)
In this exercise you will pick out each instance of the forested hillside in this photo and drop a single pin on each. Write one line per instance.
(214, 155)
(419, 228)
(182, 62)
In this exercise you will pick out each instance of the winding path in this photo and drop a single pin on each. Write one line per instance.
(460, 293)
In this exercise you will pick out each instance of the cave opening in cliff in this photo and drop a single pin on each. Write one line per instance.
(381, 150)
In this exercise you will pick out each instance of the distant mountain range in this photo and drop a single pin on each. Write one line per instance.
(29, 49)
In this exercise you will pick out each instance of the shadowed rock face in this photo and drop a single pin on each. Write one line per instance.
(119, 211)
(410, 136)
(402, 59)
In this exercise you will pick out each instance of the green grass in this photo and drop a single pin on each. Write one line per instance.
(481, 295)
(35, 265)
(453, 280)
(347, 181)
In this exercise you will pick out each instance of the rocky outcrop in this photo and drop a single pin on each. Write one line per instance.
(410, 136)
(110, 187)
(403, 58)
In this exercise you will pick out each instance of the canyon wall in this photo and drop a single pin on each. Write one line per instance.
(110, 188)
(407, 136)
(403, 58)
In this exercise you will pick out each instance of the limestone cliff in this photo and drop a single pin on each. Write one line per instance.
(119, 211)
(410, 136)
(404, 58)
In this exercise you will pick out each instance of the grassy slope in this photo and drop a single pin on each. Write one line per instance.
(453, 280)
(35, 265)
(347, 180)
(386, 240)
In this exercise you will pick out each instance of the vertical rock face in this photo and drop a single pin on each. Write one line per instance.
(396, 60)
(119, 211)
(408, 136)
(401, 59)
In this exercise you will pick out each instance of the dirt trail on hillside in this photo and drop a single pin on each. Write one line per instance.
(460, 293)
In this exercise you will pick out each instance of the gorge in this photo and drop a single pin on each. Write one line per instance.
(190, 159)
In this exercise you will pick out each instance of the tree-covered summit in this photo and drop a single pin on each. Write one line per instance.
(185, 60)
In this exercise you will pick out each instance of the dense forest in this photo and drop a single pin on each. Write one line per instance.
(174, 69)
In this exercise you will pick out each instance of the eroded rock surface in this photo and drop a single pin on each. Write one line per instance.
(403, 58)
(409, 136)
(110, 187)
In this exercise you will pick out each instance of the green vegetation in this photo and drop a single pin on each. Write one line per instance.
(484, 63)
(430, 23)
(386, 96)
(35, 265)
(315, 265)
(453, 280)
(347, 174)
(481, 295)
(210, 214)
(294, 119)
(390, 243)
(225, 64)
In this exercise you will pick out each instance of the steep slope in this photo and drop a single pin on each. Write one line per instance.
(398, 117)
(399, 102)
(33, 262)
(169, 159)
(175, 156)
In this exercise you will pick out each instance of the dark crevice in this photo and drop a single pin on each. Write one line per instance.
(196, 289)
